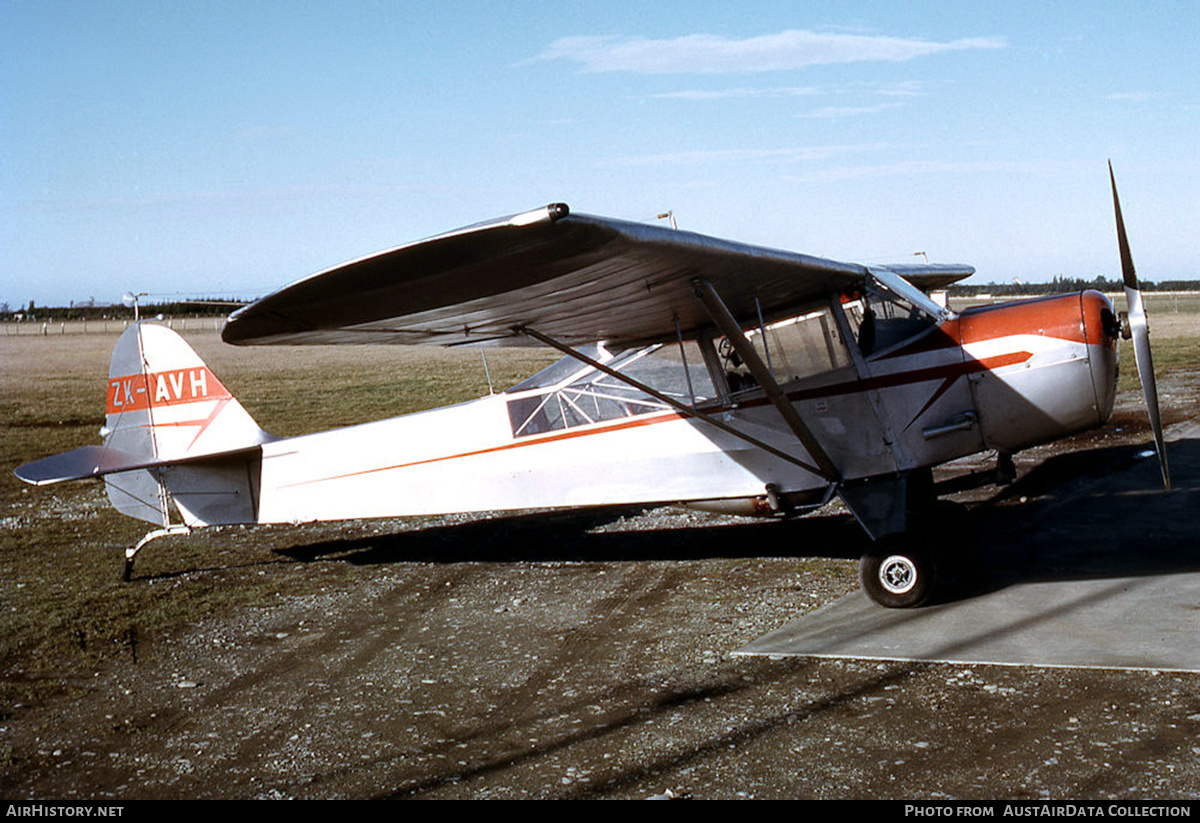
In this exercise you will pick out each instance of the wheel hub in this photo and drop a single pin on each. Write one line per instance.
(898, 574)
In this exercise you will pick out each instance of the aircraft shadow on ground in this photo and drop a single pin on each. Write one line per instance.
(574, 537)
(1088, 514)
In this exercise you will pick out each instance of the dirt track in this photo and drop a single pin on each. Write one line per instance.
(588, 656)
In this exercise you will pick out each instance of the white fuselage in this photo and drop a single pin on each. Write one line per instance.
(982, 380)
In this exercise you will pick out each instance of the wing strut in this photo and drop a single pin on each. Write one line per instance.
(733, 333)
(682, 408)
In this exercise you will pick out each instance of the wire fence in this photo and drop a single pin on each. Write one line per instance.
(45, 328)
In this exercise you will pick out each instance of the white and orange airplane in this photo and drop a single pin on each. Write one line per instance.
(695, 370)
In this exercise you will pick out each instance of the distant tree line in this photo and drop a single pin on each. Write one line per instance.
(89, 311)
(1060, 285)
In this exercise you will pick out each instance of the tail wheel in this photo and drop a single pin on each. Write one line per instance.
(897, 577)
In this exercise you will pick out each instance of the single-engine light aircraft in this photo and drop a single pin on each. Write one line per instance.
(697, 371)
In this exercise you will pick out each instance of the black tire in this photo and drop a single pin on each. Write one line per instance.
(895, 576)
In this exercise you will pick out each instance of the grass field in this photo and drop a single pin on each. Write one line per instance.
(62, 607)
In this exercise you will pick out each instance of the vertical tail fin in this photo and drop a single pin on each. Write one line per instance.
(165, 405)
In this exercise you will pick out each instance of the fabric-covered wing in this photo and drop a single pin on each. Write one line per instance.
(577, 278)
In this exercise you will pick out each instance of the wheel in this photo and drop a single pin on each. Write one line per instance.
(895, 576)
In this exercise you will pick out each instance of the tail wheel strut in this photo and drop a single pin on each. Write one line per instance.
(127, 572)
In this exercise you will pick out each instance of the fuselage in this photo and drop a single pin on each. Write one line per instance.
(1001, 377)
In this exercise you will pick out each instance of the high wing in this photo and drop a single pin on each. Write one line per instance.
(576, 278)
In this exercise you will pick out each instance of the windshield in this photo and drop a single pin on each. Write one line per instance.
(880, 321)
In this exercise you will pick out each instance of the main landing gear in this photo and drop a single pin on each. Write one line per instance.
(896, 575)
(900, 570)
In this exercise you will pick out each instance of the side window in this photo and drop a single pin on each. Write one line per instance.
(798, 347)
(585, 395)
(806, 345)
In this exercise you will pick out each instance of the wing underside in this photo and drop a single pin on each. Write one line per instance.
(576, 278)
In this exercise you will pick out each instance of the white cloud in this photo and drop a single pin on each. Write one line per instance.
(785, 155)
(1137, 96)
(912, 168)
(722, 94)
(906, 88)
(835, 112)
(711, 54)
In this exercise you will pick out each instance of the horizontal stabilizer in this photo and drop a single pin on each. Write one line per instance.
(90, 461)
(97, 461)
(164, 408)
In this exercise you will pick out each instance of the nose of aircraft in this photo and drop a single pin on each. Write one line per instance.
(1101, 330)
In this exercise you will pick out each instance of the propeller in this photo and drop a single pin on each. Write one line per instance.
(1141, 335)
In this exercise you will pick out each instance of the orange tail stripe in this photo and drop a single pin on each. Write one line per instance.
(136, 392)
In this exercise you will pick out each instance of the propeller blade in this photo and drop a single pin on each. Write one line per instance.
(1141, 335)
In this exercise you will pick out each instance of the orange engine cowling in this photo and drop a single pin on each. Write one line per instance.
(1060, 369)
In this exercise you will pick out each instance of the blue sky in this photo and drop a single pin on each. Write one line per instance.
(227, 148)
